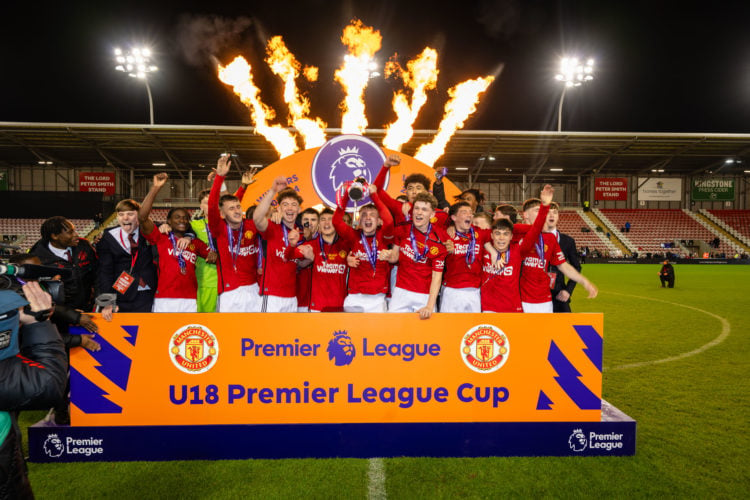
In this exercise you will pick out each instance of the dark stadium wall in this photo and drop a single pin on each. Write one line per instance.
(39, 204)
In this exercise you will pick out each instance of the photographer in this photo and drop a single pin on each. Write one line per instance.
(32, 379)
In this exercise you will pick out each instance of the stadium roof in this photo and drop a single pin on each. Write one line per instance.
(486, 155)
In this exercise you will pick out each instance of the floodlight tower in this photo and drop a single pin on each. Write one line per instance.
(573, 73)
(136, 62)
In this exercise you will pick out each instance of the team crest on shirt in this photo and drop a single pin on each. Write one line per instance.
(191, 247)
(545, 247)
(248, 235)
(434, 251)
(194, 349)
(342, 254)
(485, 348)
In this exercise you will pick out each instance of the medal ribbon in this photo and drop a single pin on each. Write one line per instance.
(540, 249)
(420, 257)
(470, 253)
(178, 253)
(211, 243)
(372, 252)
(234, 247)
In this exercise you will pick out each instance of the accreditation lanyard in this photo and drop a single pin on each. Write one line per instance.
(234, 246)
(371, 252)
(178, 254)
(470, 253)
(423, 256)
(133, 258)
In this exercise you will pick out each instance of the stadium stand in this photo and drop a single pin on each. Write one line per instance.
(25, 232)
(652, 228)
(573, 221)
(735, 222)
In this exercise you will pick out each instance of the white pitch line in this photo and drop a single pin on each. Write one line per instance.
(376, 479)
(726, 327)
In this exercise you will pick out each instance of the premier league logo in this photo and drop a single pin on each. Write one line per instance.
(577, 440)
(341, 349)
(345, 158)
(53, 446)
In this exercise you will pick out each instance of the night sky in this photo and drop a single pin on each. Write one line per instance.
(660, 66)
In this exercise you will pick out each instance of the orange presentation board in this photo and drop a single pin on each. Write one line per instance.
(215, 369)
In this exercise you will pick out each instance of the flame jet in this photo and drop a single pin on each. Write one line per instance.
(462, 103)
(238, 74)
(363, 42)
(420, 76)
(283, 64)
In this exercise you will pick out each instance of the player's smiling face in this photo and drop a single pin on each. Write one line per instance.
(412, 190)
(423, 212)
(179, 221)
(462, 219)
(368, 220)
(231, 210)
(470, 199)
(326, 225)
(501, 238)
(128, 220)
(289, 208)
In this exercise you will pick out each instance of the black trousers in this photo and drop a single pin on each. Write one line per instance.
(143, 302)
(667, 279)
(559, 306)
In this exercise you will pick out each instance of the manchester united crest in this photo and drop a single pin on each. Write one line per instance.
(194, 349)
(248, 235)
(485, 348)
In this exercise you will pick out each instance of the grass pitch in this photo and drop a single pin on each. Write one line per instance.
(689, 392)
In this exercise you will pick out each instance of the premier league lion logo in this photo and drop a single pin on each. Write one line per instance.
(345, 158)
(53, 447)
(341, 349)
(577, 440)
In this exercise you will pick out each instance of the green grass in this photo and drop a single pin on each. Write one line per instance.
(692, 418)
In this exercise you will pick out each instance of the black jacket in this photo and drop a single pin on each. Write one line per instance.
(568, 247)
(113, 260)
(79, 287)
(32, 380)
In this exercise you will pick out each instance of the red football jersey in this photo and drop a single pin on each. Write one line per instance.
(535, 281)
(364, 278)
(279, 274)
(460, 270)
(500, 287)
(238, 263)
(328, 274)
(415, 270)
(173, 284)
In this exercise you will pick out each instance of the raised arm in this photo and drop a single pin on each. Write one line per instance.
(214, 218)
(148, 202)
(530, 238)
(342, 228)
(261, 211)
(385, 214)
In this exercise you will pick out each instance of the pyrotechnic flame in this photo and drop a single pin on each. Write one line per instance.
(420, 76)
(283, 63)
(462, 104)
(363, 42)
(239, 75)
(311, 73)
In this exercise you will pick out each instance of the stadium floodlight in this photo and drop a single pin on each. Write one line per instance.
(573, 73)
(136, 62)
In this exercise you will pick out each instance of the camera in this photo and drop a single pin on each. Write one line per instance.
(13, 277)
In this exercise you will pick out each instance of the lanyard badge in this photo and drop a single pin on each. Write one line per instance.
(178, 254)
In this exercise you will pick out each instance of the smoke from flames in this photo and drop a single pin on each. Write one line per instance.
(201, 37)
(239, 75)
(420, 76)
(283, 64)
(363, 42)
(462, 103)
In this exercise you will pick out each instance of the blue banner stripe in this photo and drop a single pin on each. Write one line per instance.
(88, 396)
(593, 342)
(569, 380)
